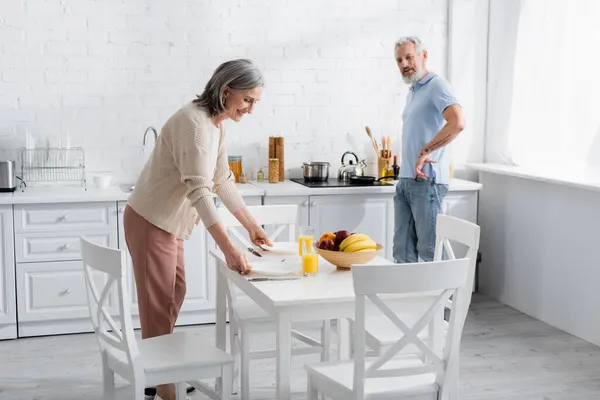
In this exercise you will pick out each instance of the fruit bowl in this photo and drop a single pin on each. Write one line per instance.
(343, 260)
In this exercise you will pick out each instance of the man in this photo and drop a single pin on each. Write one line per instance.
(432, 118)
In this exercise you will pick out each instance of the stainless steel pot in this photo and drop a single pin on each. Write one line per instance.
(315, 171)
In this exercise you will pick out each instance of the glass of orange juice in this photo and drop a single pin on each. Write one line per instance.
(306, 235)
(310, 259)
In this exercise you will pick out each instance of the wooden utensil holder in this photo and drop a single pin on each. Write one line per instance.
(381, 164)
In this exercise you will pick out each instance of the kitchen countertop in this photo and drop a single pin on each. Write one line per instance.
(6, 198)
(290, 188)
(75, 194)
(582, 178)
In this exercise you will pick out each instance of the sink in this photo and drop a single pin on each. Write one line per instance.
(127, 188)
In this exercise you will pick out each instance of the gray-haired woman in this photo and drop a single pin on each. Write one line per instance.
(174, 192)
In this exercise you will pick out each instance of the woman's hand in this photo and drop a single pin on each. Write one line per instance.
(237, 261)
(259, 237)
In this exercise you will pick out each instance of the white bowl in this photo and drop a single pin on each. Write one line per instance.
(102, 180)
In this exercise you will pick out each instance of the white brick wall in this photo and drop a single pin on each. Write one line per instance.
(102, 71)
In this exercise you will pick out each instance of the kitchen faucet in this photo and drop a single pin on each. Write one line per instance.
(150, 128)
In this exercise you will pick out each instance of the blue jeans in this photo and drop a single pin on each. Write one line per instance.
(416, 206)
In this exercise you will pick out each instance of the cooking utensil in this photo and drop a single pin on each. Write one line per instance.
(375, 146)
(365, 180)
(254, 252)
(346, 171)
(271, 279)
(315, 171)
(386, 144)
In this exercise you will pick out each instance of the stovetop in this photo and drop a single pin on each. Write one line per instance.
(331, 183)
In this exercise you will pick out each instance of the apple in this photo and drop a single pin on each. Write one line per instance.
(340, 236)
(326, 244)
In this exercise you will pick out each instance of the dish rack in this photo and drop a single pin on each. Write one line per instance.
(53, 164)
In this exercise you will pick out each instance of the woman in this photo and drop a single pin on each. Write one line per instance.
(174, 192)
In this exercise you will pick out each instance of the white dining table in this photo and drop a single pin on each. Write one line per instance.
(327, 295)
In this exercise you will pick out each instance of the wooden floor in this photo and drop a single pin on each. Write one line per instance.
(505, 356)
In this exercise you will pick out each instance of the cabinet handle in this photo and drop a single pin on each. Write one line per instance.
(67, 291)
(305, 204)
(65, 247)
(64, 217)
(313, 204)
(121, 210)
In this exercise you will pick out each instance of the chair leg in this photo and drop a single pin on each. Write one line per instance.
(311, 391)
(181, 391)
(325, 340)
(234, 346)
(227, 379)
(245, 365)
(108, 378)
(138, 389)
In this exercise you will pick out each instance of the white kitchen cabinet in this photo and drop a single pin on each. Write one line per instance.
(52, 298)
(51, 293)
(372, 214)
(8, 310)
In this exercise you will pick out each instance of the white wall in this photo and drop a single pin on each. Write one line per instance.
(102, 72)
(503, 25)
(467, 72)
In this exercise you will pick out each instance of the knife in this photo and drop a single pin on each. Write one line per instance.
(271, 279)
(256, 253)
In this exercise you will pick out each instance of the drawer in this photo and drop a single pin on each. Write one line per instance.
(35, 247)
(54, 291)
(65, 217)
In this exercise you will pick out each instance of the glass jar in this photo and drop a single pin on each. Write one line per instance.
(243, 178)
(260, 175)
(273, 170)
(235, 165)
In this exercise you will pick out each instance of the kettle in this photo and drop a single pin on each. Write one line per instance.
(346, 171)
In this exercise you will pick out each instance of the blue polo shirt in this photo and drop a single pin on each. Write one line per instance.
(422, 120)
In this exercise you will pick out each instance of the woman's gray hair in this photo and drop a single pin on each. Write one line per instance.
(239, 74)
(410, 39)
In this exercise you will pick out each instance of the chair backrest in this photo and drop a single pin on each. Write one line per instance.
(275, 218)
(106, 266)
(437, 280)
(458, 230)
(451, 229)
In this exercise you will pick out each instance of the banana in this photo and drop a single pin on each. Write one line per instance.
(366, 244)
(364, 250)
(353, 239)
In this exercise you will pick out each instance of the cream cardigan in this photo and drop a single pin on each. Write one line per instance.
(176, 185)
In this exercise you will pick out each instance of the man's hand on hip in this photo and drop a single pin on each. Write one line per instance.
(420, 164)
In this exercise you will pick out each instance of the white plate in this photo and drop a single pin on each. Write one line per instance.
(287, 248)
(274, 268)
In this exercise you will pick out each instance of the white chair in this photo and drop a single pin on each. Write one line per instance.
(430, 374)
(382, 333)
(178, 357)
(246, 318)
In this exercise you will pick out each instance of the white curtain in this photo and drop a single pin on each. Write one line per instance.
(553, 109)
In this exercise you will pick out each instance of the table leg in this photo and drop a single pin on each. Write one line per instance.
(284, 355)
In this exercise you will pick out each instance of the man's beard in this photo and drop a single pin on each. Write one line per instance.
(414, 78)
